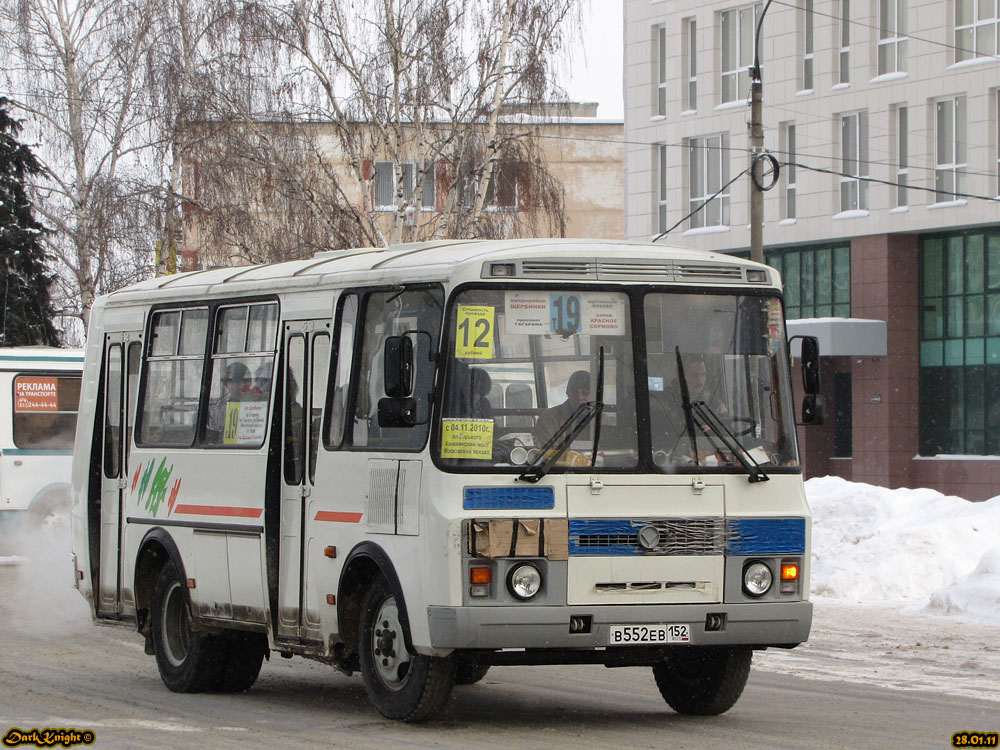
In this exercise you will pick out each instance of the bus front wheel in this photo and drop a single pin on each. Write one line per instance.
(703, 681)
(399, 683)
(189, 661)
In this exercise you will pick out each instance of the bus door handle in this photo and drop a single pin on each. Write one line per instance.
(305, 490)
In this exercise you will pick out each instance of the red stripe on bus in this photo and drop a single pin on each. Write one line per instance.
(218, 510)
(337, 516)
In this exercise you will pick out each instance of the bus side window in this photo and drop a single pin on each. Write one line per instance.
(112, 412)
(341, 372)
(395, 313)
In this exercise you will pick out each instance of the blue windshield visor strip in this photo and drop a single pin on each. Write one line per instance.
(508, 498)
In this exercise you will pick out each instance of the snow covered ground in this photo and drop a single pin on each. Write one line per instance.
(906, 587)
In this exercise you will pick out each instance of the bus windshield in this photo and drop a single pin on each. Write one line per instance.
(718, 381)
(524, 364)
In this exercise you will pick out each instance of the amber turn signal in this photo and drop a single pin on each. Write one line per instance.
(789, 570)
(479, 575)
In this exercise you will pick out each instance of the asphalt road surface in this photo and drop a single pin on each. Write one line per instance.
(60, 670)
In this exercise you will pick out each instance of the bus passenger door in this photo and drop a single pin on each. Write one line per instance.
(307, 355)
(121, 368)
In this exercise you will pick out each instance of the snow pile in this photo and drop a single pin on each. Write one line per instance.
(871, 544)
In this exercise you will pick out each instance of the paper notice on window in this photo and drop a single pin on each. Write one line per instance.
(604, 315)
(467, 438)
(474, 333)
(36, 394)
(527, 313)
(246, 423)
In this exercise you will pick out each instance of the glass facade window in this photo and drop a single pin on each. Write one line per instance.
(949, 175)
(977, 28)
(660, 68)
(844, 59)
(817, 280)
(901, 121)
(708, 171)
(854, 161)
(891, 36)
(960, 343)
(661, 188)
(384, 185)
(808, 58)
(691, 63)
(789, 174)
(738, 28)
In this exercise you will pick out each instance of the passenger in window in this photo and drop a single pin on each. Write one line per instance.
(261, 388)
(235, 384)
(550, 420)
(481, 384)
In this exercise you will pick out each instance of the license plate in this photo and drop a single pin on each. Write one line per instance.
(622, 635)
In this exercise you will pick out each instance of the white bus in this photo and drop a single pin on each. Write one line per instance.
(307, 458)
(40, 389)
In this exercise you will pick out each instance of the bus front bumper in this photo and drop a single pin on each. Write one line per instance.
(759, 624)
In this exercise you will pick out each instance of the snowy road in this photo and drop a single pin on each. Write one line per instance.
(60, 670)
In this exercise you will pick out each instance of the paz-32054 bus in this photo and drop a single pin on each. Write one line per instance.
(420, 461)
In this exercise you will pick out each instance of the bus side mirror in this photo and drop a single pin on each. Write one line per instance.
(397, 412)
(813, 409)
(810, 365)
(398, 367)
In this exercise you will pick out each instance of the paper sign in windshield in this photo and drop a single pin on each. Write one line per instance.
(474, 334)
(36, 394)
(542, 313)
(467, 438)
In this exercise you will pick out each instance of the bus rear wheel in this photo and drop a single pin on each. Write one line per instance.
(243, 656)
(703, 681)
(399, 683)
(189, 661)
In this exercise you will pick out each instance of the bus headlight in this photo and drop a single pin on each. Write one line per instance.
(757, 578)
(524, 581)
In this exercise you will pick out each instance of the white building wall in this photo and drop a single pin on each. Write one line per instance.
(930, 73)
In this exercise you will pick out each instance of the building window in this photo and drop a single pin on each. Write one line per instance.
(844, 62)
(960, 343)
(817, 280)
(891, 36)
(949, 176)
(977, 26)
(901, 117)
(501, 191)
(806, 83)
(854, 161)
(661, 188)
(708, 171)
(787, 135)
(384, 190)
(996, 131)
(738, 29)
(660, 68)
(691, 63)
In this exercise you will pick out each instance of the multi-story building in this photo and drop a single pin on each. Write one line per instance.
(884, 220)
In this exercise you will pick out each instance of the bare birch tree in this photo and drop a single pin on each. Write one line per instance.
(75, 70)
(422, 85)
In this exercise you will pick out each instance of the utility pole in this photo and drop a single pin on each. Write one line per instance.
(756, 127)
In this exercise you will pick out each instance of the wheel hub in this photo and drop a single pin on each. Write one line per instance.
(392, 660)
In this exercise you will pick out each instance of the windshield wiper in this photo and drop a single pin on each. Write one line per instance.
(559, 443)
(708, 418)
(705, 416)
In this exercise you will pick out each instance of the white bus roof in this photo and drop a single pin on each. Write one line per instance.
(462, 260)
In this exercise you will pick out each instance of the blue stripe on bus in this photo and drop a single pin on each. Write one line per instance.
(9, 358)
(767, 536)
(744, 536)
(508, 498)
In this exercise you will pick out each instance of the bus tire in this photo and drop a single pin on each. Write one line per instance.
(189, 661)
(703, 681)
(244, 654)
(469, 671)
(400, 684)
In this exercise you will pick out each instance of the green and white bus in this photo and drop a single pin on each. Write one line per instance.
(40, 387)
(420, 461)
